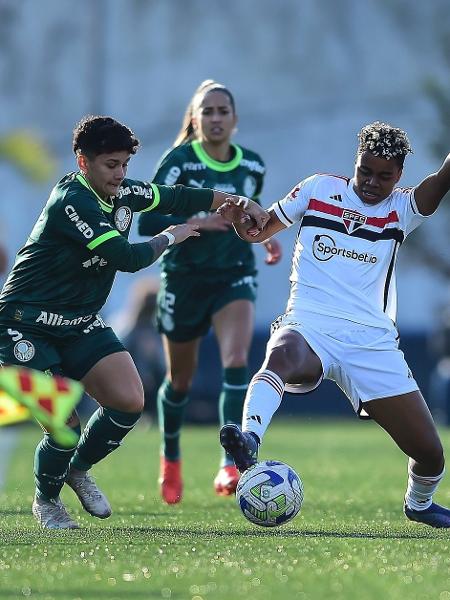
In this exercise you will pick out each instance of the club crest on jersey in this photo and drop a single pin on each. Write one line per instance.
(24, 350)
(122, 218)
(353, 220)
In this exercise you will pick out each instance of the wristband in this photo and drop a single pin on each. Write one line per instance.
(170, 237)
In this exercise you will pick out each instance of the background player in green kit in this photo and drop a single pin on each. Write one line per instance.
(62, 277)
(210, 282)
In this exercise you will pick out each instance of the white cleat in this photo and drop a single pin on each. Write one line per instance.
(52, 514)
(91, 497)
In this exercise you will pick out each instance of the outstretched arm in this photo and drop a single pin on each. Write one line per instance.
(429, 193)
(246, 227)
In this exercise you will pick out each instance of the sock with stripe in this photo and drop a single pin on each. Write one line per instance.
(171, 407)
(420, 490)
(263, 399)
(51, 464)
(103, 433)
(231, 401)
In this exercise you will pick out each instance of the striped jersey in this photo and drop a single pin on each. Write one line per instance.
(344, 257)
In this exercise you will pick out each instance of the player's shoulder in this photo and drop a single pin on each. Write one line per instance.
(321, 183)
(178, 154)
(69, 189)
(251, 159)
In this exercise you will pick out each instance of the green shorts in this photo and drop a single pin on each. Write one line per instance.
(187, 303)
(51, 346)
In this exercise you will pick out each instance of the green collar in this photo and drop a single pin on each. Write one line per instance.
(216, 165)
(104, 205)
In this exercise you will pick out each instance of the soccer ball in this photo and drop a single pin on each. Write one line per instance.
(270, 493)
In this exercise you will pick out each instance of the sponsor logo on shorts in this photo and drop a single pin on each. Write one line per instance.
(353, 220)
(99, 322)
(122, 218)
(24, 350)
(324, 249)
(16, 335)
(57, 320)
(247, 280)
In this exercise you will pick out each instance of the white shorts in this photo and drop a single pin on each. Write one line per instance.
(365, 362)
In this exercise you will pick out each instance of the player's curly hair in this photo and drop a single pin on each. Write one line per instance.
(381, 139)
(186, 133)
(95, 135)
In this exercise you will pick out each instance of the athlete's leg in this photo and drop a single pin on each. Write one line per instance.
(181, 360)
(408, 421)
(115, 384)
(289, 359)
(233, 326)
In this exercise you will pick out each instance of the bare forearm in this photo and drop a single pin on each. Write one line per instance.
(241, 230)
(158, 245)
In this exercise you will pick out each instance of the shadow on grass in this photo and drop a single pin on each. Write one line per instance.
(80, 593)
(21, 537)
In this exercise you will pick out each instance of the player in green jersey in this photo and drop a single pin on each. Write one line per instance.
(60, 280)
(211, 282)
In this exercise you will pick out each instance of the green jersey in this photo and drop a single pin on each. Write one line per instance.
(214, 251)
(70, 259)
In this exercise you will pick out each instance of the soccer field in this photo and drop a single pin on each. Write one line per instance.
(350, 540)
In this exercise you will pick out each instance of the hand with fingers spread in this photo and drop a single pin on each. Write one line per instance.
(182, 232)
(248, 208)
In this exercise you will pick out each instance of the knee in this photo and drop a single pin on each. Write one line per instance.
(130, 399)
(431, 454)
(235, 359)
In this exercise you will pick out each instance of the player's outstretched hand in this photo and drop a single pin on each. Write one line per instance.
(242, 210)
(183, 231)
(210, 222)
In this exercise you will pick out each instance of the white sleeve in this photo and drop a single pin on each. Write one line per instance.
(292, 207)
(410, 216)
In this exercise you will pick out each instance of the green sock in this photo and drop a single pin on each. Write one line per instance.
(103, 433)
(51, 463)
(171, 405)
(231, 401)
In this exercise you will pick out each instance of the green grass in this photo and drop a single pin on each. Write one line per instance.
(350, 540)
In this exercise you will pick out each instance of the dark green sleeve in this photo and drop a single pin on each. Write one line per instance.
(124, 256)
(179, 199)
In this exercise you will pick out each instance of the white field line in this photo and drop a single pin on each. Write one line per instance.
(8, 438)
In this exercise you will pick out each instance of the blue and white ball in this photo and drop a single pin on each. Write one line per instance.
(270, 493)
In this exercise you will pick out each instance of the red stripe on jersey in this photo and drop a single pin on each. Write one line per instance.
(383, 221)
(337, 211)
(324, 207)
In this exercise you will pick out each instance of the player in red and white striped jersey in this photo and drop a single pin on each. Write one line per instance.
(340, 318)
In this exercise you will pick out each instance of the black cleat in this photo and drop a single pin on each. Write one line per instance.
(434, 515)
(241, 445)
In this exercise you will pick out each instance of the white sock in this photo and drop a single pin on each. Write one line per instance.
(420, 490)
(261, 402)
